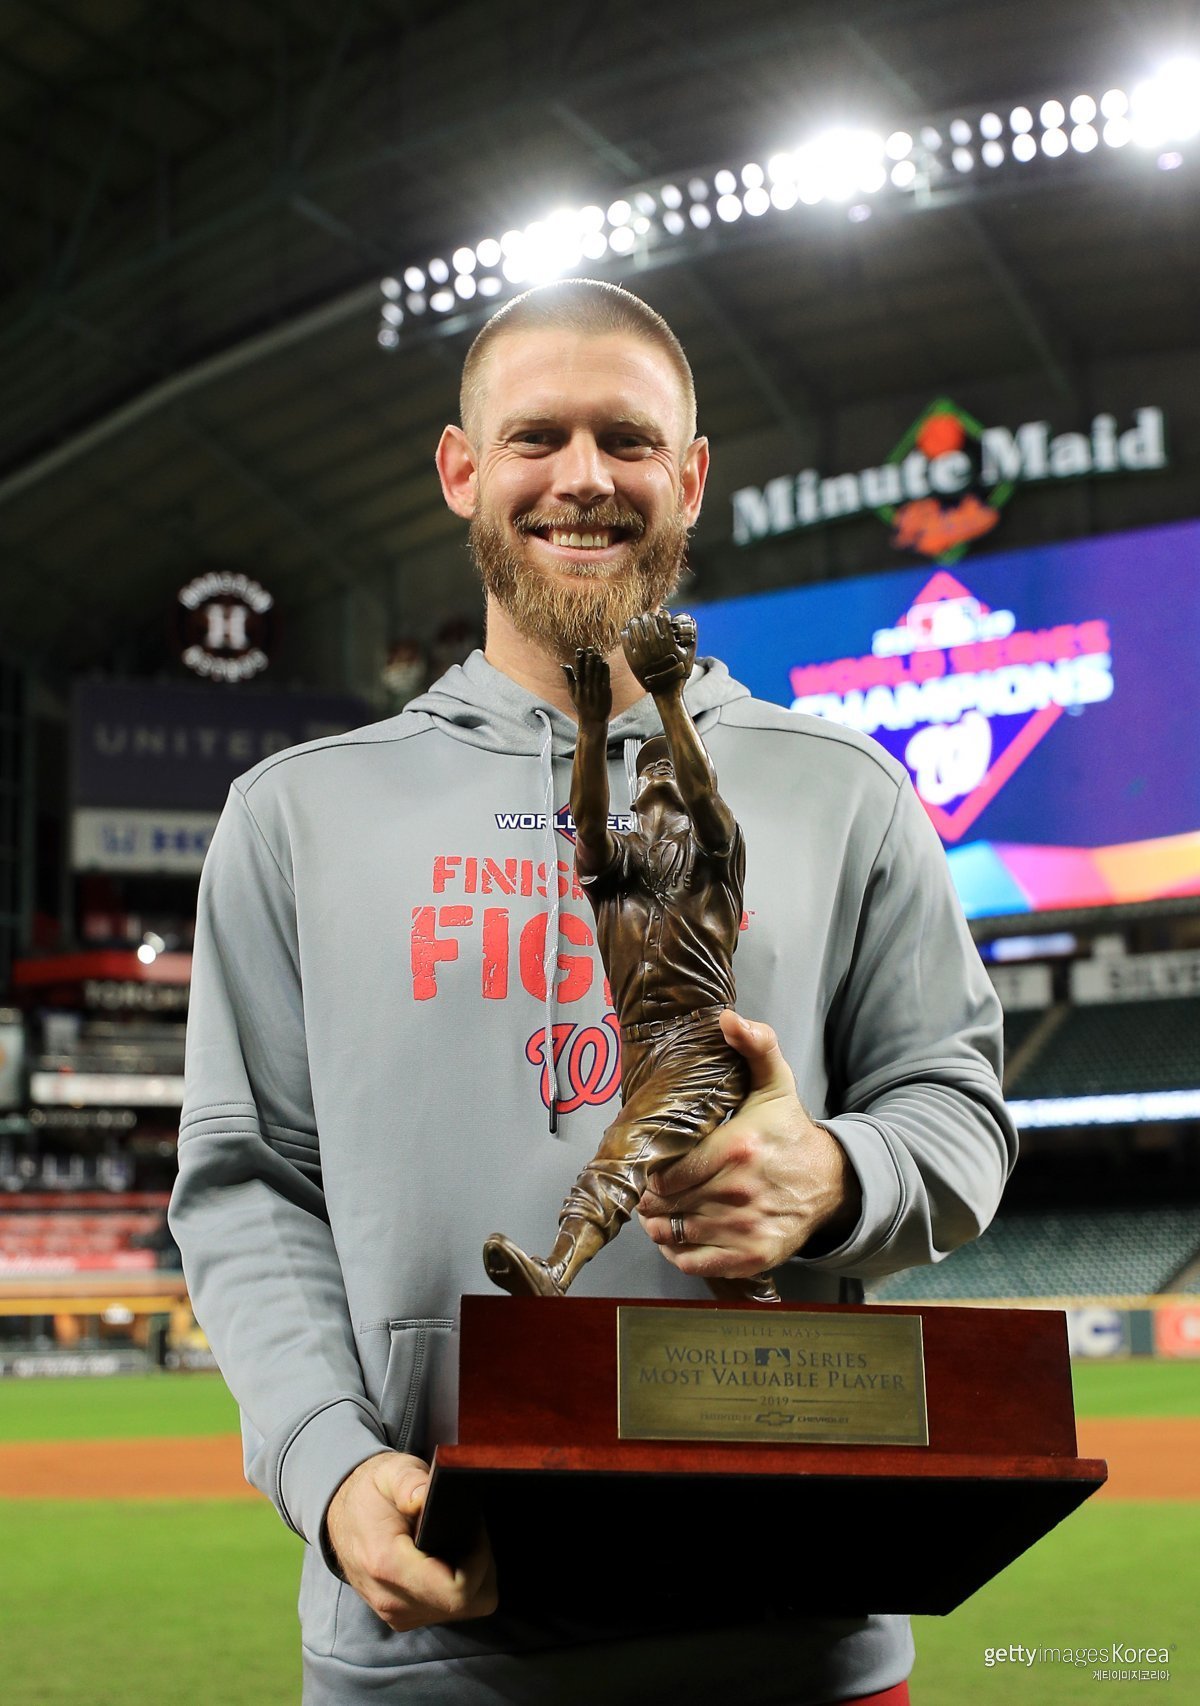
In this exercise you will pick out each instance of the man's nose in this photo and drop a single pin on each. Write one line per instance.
(581, 472)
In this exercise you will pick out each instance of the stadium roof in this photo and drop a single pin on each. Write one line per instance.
(202, 199)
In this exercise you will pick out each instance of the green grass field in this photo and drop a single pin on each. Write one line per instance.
(109, 1604)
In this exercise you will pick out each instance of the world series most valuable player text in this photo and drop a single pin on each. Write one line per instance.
(736, 1375)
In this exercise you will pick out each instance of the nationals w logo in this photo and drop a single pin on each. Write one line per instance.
(586, 1057)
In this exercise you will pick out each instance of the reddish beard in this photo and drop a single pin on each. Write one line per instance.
(592, 607)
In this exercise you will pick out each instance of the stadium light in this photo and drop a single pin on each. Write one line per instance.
(839, 170)
(1166, 107)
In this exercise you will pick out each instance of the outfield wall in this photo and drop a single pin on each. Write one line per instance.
(1166, 1326)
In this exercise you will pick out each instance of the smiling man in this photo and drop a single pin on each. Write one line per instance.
(400, 1036)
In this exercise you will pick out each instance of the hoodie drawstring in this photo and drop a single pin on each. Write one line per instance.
(633, 745)
(550, 951)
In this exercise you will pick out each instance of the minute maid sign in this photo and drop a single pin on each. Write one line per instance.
(945, 483)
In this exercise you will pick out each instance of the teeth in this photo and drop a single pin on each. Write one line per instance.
(581, 541)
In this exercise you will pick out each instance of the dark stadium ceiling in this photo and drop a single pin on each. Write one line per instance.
(201, 199)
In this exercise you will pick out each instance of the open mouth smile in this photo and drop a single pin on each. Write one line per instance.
(594, 541)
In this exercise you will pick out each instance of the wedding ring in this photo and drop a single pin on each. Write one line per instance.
(677, 1231)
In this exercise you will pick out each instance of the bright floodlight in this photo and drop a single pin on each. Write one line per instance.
(1054, 143)
(591, 218)
(671, 196)
(991, 125)
(622, 239)
(701, 217)
(488, 252)
(963, 159)
(898, 145)
(725, 183)
(729, 208)
(753, 176)
(594, 245)
(464, 260)
(552, 246)
(414, 278)
(390, 288)
(674, 222)
(1117, 132)
(1083, 109)
(960, 131)
(1024, 148)
(1021, 119)
(784, 196)
(439, 272)
(1084, 138)
(903, 174)
(840, 164)
(1052, 114)
(756, 201)
(618, 213)
(442, 301)
(993, 153)
(1166, 108)
(1114, 103)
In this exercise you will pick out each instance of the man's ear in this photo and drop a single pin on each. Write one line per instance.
(456, 470)
(693, 472)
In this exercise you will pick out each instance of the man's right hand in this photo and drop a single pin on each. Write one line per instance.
(589, 685)
(371, 1521)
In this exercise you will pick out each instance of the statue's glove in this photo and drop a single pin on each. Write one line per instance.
(655, 654)
(589, 686)
(683, 627)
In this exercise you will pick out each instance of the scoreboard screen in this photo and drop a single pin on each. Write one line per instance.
(1045, 702)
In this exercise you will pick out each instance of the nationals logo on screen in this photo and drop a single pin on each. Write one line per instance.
(960, 694)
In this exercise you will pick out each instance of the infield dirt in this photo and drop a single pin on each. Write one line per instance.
(1148, 1458)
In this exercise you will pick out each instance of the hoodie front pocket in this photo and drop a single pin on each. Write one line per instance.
(416, 1353)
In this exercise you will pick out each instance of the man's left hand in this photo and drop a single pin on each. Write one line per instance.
(760, 1188)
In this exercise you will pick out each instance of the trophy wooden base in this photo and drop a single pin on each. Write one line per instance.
(578, 1516)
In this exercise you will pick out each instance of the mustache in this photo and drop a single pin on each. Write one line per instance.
(572, 517)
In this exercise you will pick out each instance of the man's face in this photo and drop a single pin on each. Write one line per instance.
(583, 487)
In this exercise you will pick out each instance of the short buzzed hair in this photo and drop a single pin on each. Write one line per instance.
(585, 305)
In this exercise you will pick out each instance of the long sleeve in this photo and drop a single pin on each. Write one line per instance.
(915, 1040)
(248, 1210)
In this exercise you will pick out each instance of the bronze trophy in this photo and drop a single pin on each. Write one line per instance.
(668, 903)
(845, 1420)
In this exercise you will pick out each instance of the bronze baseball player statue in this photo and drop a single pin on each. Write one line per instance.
(668, 903)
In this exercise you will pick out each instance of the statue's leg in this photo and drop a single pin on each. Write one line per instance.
(676, 1089)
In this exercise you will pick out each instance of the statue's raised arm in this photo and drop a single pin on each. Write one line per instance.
(591, 694)
(660, 650)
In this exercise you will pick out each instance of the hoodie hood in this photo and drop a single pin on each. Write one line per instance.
(476, 703)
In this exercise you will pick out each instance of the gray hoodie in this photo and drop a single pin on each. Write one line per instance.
(381, 1072)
